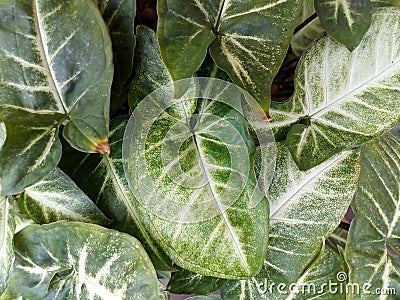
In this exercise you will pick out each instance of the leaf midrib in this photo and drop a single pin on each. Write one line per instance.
(221, 210)
(43, 50)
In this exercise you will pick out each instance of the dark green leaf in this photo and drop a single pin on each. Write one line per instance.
(345, 20)
(246, 39)
(119, 16)
(51, 73)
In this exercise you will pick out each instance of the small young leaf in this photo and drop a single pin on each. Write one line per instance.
(7, 228)
(67, 260)
(56, 198)
(345, 20)
(372, 251)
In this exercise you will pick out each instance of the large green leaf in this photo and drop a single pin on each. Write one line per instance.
(195, 178)
(306, 206)
(66, 260)
(344, 99)
(345, 20)
(302, 39)
(186, 282)
(119, 16)
(313, 283)
(247, 39)
(7, 228)
(51, 73)
(102, 178)
(56, 198)
(372, 251)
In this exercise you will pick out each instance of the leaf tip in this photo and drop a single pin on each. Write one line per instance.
(103, 148)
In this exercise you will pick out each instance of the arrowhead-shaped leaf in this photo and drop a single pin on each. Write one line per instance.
(7, 228)
(119, 16)
(372, 251)
(344, 99)
(102, 178)
(56, 198)
(306, 206)
(247, 39)
(51, 73)
(198, 186)
(66, 260)
(345, 20)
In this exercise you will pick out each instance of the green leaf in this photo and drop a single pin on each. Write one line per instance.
(66, 260)
(306, 207)
(151, 73)
(302, 39)
(208, 297)
(198, 187)
(246, 39)
(372, 250)
(57, 197)
(119, 16)
(313, 283)
(102, 178)
(344, 99)
(51, 73)
(345, 20)
(7, 228)
(186, 282)
(3, 133)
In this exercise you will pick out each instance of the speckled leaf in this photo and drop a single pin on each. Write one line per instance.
(306, 206)
(345, 20)
(151, 73)
(186, 282)
(119, 16)
(198, 188)
(7, 228)
(372, 251)
(344, 99)
(56, 198)
(247, 39)
(66, 260)
(51, 72)
(102, 178)
(312, 284)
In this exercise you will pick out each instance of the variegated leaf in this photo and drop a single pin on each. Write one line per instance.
(52, 73)
(195, 177)
(306, 206)
(344, 99)
(56, 198)
(102, 178)
(186, 282)
(207, 297)
(7, 228)
(345, 20)
(119, 16)
(372, 251)
(318, 281)
(67, 260)
(247, 39)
